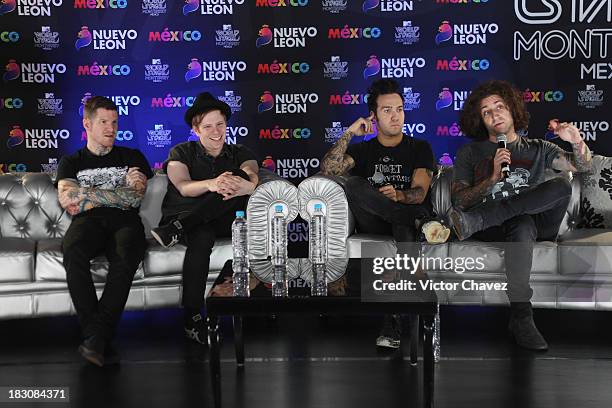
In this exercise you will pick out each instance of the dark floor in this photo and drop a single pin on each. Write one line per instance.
(316, 362)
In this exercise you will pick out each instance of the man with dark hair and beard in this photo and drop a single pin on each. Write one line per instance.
(390, 176)
(500, 194)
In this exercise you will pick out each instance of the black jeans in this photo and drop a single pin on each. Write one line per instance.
(210, 219)
(120, 236)
(521, 220)
(376, 214)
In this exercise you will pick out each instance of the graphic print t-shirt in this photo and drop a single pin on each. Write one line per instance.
(395, 163)
(106, 172)
(529, 160)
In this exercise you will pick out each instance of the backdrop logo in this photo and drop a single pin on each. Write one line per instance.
(153, 8)
(234, 101)
(194, 70)
(33, 72)
(335, 69)
(281, 3)
(388, 5)
(412, 100)
(96, 70)
(12, 71)
(266, 102)
(412, 128)
(372, 67)
(285, 37)
(446, 98)
(530, 96)
(445, 160)
(221, 70)
(218, 7)
(348, 99)
(232, 133)
(15, 137)
(460, 1)
(347, 32)
(551, 15)
(83, 38)
(159, 137)
(602, 70)
(588, 130)
(334, 6)
(333, 133)
(50, 167)
(456, 64)
(591, 97)
(104, 39)
(174, 36)
(122, 135)
(407, 34)
(84, 99)
(100, 4)
(190, 6)
(276, 68)
(465, 34)
(156, 71)
(287, 103)
(34, 8)
(50, 105)
(11, 103)
(227, 37)
(9, 36)
(7, 6)
(452, 130)
(268, 163)
(13, 168)
(124, 103)
(46, 39)
(445, 33)
(277, 133)
(170, 101)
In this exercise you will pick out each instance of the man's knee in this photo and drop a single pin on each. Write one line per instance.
(521, 229)
(561, 186)
(354, 185)
(241, 173)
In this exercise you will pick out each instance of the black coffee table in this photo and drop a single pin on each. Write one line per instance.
(349, 292)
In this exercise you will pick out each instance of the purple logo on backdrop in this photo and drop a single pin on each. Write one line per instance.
(193, 137)
(265, 36)
(269, 164)
(84, 38)
(15, 137)
(6, 6)
(194, 70)
(445, 160)
(445, 32)
(267, 102)
(190, 6)
(372, 67)
(445, 99)
(12, 71)
(369, 5)
(83, 100)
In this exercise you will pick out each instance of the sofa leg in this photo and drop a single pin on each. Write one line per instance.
(436, 335)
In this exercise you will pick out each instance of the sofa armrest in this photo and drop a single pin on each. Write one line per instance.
(441, 191)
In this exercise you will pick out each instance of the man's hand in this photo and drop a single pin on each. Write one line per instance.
(501, 156)
(214, 185)
(135, 178)
(362, 126)
(566, 131)
(234, 186)
(391, 193)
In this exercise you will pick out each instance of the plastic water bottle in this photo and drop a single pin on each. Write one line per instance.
(240, 264)
(318, 251)
(279, 237)
(280, 286)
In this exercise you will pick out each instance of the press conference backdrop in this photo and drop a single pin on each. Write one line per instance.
(295, 72)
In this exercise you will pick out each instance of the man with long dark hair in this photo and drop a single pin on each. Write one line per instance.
(501, 194)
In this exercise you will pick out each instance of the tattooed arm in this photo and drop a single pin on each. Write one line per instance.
(421, 181)
(578, 162)
(75, 199)
(464, 195)
(336, 162)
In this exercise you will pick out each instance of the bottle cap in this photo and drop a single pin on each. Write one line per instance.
(278, 208)
(318, 206)
(240, 214)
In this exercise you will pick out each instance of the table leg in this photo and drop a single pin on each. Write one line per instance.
(413, 319)
(215, 362)
(428, 362)
(238, 341)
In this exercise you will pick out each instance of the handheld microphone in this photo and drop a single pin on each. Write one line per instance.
(501, 143)
(378, 179)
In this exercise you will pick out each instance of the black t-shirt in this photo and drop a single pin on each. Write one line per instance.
(397, 163)
(202, 166)
(106, 172)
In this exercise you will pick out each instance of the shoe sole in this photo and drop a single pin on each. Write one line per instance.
(158, 239)
(543, 348)
(387, 342)
(435, 232)
(454, 218)
(91, 356)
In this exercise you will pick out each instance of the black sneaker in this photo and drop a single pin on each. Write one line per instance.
(196, 330)
(526, 334)
(92, 350)
(168, 235)
(391, 332)
(465, 224)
